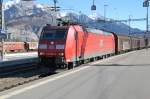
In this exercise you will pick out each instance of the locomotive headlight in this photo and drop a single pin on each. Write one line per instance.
(52, 42)
(41, 53)
(61, 54)
(42, 46)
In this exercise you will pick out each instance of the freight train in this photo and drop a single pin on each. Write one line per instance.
(74, 44)
(19, 46)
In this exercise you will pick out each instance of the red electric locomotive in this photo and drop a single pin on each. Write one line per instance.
(67, 45)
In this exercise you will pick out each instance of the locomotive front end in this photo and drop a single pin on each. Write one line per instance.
(51, 48)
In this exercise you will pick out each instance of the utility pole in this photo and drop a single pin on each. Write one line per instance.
(2, 17)
(2, 53)
(1, 14)
(1, 48)
(55, 6)
(1, 27)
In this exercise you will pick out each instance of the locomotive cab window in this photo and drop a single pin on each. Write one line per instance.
(54, 34)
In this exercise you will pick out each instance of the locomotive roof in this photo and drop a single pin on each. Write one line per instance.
(92, 30)
(54, 27)
(98, 31)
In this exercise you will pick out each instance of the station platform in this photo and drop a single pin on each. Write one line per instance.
(18, 58)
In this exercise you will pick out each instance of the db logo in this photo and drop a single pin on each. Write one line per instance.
(101, 43)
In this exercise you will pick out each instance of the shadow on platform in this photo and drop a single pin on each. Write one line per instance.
(121, 65)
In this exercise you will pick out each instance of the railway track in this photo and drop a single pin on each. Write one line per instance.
(4, 71)
(13, 77)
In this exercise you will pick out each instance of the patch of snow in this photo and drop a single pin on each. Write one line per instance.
(8, 4)
(39, 6)
(17, 1)
(63, 14)
(95, 16)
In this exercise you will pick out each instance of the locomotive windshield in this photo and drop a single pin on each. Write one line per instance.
(54, 34)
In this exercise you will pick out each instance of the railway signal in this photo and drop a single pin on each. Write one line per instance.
(93, 7)
(146, 3)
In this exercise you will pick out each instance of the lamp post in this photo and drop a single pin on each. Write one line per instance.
(130, 31)
(105, 12)
(146, 4)
(115, 13)
(129, 25)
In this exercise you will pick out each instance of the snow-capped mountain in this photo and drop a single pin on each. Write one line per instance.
(24, 17)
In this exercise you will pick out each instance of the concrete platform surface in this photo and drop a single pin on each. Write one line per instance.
(120, 77)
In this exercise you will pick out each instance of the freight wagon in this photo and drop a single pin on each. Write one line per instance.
(19, 46)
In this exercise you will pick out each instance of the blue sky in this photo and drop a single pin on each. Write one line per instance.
(116, 9)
